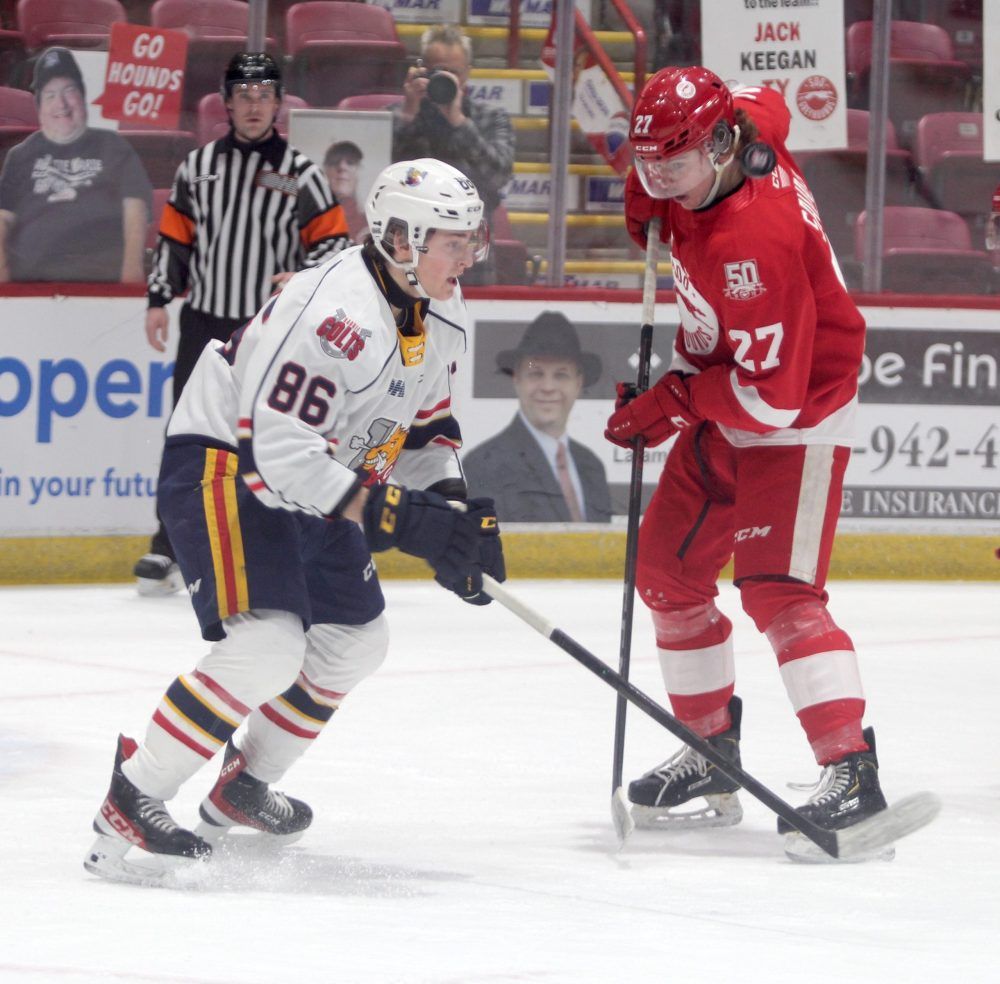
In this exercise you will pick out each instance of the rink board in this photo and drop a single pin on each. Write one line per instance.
(531, 552)
(83, 405)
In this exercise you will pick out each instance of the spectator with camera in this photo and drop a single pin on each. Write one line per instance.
(438, 119)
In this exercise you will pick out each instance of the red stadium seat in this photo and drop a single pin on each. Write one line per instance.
(17, 108)
(213, 121)
(924, 75)
(837, 179)
(71, 23)
(928, 251)
(338, 49)
(12, 55)
(18, 118)
(948, 153)
(952, 174)
(370, 100)
(160, 151)
(963, 20)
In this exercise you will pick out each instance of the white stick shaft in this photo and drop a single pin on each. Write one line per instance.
(649, 273)
(499, 593)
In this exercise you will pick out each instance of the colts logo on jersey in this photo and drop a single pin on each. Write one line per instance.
(743, 280)
(342, 338)
(378, 450)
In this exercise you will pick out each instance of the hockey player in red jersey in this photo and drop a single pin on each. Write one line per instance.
(275, 491)
(761, 396)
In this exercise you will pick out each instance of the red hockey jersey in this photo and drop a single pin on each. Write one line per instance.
(766, 322)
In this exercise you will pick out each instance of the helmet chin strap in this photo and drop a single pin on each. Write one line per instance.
(720, 169)
(414, 281)
(410, 272)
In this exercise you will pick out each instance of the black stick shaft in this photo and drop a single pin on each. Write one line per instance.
(631, 558)
(635, 500)
(825, 839)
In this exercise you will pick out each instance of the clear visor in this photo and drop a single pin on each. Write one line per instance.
(674, 176)
(458, 245)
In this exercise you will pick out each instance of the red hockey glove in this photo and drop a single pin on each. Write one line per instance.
(655, 415)
(640, 208)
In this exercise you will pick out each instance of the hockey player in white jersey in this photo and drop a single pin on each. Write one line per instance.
(275, 491)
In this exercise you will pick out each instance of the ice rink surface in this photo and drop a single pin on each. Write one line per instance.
(462, 831)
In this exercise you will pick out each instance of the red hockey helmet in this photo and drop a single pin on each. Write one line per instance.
(679, 109)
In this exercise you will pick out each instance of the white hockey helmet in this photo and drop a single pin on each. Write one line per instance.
(415, 197)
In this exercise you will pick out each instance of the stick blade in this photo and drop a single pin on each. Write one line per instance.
(871, 839)
(621, 816)
(902, 818)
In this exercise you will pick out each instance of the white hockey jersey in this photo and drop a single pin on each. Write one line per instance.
(321, 386)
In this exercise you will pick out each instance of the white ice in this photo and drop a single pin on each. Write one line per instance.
(462, 800)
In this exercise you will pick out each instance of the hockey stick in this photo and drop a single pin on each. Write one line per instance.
(877, 831)
(620, 815)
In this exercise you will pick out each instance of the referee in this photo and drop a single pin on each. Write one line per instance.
(245, 212)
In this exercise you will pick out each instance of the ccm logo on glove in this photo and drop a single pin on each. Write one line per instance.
(655, 415)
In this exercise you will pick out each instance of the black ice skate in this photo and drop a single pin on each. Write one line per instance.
(239, 799)
(687, 776)
(129, 818)
(157, 574)
(848, 792)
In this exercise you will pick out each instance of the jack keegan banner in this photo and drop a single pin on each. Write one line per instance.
(84, 402)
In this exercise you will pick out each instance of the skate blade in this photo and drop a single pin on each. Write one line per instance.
(723, 810)
(240, 836)
(106, 859)
(620, 817)
(149, 587)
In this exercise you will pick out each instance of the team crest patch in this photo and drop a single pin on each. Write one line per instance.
(743, 281)
(414, 176)
(340, 337)
(378, 450)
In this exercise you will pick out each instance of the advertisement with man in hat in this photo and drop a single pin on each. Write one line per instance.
(535, 472)
(70, 186)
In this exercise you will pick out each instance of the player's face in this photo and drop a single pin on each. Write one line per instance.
(446, 256)
(62, 111)
(686, 178)
(253, 109)
(547, 387)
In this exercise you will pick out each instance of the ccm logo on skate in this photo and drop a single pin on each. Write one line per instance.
(120, 824)
(234, 766)
(752, 533)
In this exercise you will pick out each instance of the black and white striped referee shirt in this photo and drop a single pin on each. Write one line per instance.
(237, 215)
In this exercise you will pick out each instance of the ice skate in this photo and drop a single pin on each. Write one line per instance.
(687, 776)
(238, 799)
(847, 793)
(129, 818)
(157, 574)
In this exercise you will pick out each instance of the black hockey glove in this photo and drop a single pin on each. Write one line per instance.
(422, 524)
(483, 513)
